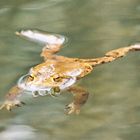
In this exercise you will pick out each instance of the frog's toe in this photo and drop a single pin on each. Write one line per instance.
(9, 105)
(72, 108)
(19, 104)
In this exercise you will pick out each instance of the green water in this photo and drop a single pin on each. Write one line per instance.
(93, 27)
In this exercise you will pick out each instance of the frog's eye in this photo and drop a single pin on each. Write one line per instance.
(57, 79)
(31, 78)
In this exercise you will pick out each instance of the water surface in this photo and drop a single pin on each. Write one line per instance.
(93, 27)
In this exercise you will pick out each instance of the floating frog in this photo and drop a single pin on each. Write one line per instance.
(57, 73)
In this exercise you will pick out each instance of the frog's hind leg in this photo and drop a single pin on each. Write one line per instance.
(52, 42)
(112, 55)
(49, 50)
(80, 98)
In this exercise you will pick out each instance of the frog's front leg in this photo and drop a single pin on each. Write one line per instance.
(12, 98)
(80, 98)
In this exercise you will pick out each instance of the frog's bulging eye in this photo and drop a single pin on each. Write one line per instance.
(31, 78)
(57, 79)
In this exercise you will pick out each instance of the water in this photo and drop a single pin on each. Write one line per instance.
(93, 27)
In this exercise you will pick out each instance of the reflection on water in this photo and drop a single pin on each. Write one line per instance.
(93, 27)
(18, 132)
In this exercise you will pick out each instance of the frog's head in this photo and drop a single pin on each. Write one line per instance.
(37, 81)
(30, 83)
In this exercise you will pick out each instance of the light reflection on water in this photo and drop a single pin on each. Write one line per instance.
(93, 27)
(16, 132)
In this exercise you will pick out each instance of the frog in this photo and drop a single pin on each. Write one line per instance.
(57, 74)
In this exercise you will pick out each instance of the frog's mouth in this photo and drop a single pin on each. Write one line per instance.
(24, 84)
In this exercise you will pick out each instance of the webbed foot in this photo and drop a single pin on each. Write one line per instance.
(9, 105)
(72, 108)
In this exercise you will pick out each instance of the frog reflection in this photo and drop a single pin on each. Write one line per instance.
(57, 73)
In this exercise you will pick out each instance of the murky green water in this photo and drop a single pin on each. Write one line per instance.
(93, 27)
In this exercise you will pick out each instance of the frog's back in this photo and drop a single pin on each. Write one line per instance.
(67, 67)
